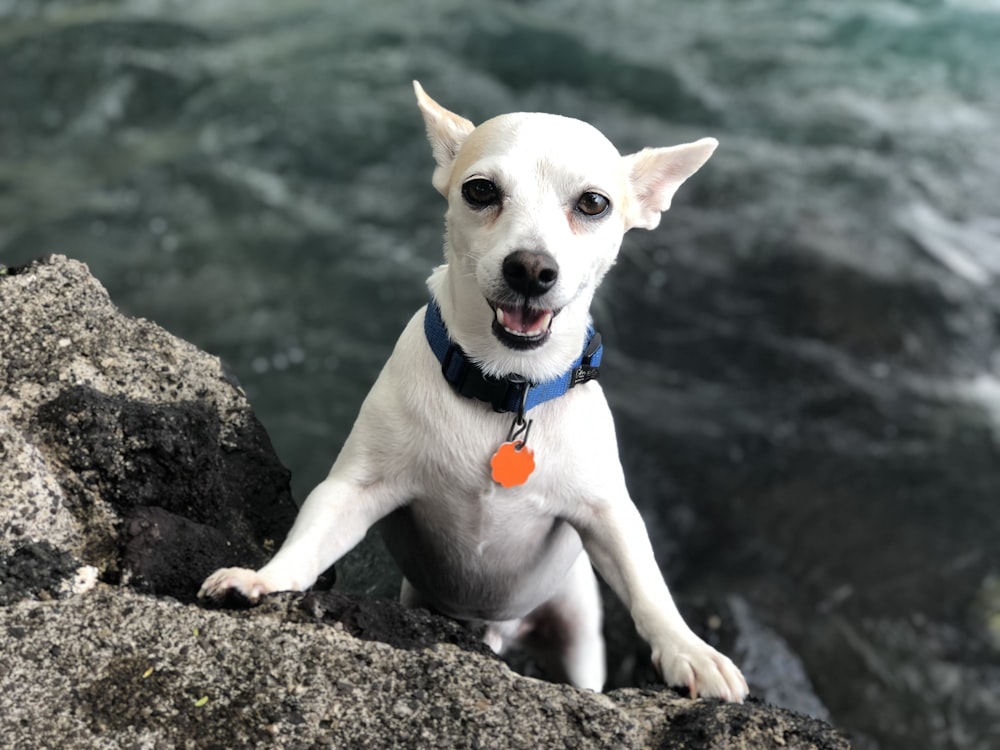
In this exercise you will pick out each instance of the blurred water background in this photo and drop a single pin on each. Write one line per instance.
(803, 359)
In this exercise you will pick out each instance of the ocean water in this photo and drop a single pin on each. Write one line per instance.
(803, 360)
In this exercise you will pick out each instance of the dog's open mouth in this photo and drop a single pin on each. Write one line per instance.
(521, 327)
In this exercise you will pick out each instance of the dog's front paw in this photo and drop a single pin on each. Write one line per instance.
(704, 670)
(226, 581)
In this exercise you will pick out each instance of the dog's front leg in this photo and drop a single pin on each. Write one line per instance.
(616, 540)
(333, 519)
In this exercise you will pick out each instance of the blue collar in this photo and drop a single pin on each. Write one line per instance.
(513, 393)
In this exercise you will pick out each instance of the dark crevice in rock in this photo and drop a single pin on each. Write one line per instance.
(388, 622)
(36, 569)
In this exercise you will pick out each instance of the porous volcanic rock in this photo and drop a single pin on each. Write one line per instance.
(123, 446)
(113, 668)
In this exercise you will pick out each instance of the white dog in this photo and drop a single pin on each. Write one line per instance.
(484, 448)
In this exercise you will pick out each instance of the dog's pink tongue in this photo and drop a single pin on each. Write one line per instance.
(526, 321)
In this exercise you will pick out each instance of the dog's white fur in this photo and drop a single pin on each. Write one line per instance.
(418, 457)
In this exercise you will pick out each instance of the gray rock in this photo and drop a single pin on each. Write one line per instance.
(127, 450)
(130, 670)
(124, 446)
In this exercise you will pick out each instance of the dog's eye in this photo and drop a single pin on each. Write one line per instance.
(480, 193)
(592, 204)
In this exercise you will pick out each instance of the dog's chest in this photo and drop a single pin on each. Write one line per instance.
(495, 554)
(478, 519)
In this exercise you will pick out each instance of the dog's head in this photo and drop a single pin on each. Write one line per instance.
(537, 206)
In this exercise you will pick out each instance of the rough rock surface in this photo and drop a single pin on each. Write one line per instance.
(126, 450)
(127, 669)
(123, 446)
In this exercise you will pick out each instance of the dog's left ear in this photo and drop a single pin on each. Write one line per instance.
(446, 131)
(656, 173)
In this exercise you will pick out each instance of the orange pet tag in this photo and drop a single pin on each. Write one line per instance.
(512, 463)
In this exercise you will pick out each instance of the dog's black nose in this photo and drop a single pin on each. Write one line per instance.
(530, 272)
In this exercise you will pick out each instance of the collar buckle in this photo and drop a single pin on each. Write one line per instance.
(589, 369)
(503, 394)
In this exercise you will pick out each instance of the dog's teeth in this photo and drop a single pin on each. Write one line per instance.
(539, 328)
(524, 334)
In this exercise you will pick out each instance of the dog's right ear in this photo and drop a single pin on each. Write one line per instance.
(656, 173)
(446, 131)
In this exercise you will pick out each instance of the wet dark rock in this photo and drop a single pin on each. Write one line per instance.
(832, 432)
(129, 451)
